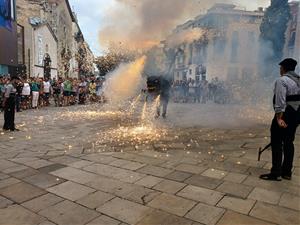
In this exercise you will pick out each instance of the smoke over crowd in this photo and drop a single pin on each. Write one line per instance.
(143, 24)
(235, 57)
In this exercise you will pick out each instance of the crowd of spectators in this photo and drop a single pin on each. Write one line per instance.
(35, 92)
(191, 91)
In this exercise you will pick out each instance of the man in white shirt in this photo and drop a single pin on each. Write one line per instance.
(26, 95)
(47, 87)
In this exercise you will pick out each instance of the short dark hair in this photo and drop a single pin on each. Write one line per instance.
(289, 64)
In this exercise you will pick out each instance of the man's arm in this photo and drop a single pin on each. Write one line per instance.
(280, 102)
(6, 95)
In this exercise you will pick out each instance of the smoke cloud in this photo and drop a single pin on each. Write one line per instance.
(125, 82)
(144, 23)
(187, 36)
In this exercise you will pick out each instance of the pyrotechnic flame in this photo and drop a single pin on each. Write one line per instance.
(124, 82)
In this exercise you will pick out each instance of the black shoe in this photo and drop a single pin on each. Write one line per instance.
(286, 177)
(270, 176)
(15, 129)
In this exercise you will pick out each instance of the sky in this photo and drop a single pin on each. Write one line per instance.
(91, 16)
(94, 14)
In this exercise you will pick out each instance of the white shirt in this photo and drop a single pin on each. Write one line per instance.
(285, 86)
(26, 89)
(47, 86)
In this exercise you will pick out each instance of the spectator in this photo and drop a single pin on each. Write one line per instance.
(35, 88)
(47, 91)
(26, 95)
(67, 91)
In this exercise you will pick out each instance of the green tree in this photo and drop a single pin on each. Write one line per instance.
(273, 29)
(116, 55)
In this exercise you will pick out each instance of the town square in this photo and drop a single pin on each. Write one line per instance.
(127, 112)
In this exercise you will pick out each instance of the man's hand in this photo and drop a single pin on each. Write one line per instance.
(280, 121)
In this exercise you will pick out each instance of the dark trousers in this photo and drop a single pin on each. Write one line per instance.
(282, 142)
(164, 101)
(9, 113)
(18, 103)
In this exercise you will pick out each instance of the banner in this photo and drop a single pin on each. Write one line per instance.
(6, 14)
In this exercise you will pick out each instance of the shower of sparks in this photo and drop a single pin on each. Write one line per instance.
(79, 115)
(144, 111)
(135, 135)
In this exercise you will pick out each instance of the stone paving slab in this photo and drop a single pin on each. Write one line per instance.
(21, 192)
(213, 173)
(104, 220)
(42, 202)
(190, 168)
(75, 175)
(125, 211)
(18, 215)
(69, 213)
(202, 181)
(52, 167)
(80, 164)
(149, 181)
(205, 214)
(264, 195)
(44, 181)
(275, 214)
(125, 164)
(155, 171)
(242, 206)
(71, 190)
(234, 189)
(201, 194)
(162, 218)
(95, 200)
(172, 204)
(235, 177)
(179, 176)
(169, 186)
(24, 173)
(233, 218)
(290, 201)
(111, 171)
(4, 202)
(8, 181)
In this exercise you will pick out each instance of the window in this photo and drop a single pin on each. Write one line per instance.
(234, 46)
(233, 74)
(12, 9)
(21, 50)
(292, 40)
(190, 71)
(251, 38)
(198, 70)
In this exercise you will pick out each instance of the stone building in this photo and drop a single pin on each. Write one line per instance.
(45, 50)
(229, 47)
(8, 38)
(292, 46)
(63, 26)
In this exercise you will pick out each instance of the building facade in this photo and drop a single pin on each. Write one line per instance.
(292, 45)
(58, 23)
(8, 38)
(45, 51)
(228, 49)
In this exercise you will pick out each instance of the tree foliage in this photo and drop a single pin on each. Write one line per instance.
(274, 26)
(115, 56)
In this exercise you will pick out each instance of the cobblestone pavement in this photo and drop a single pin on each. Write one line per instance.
(78, 165)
